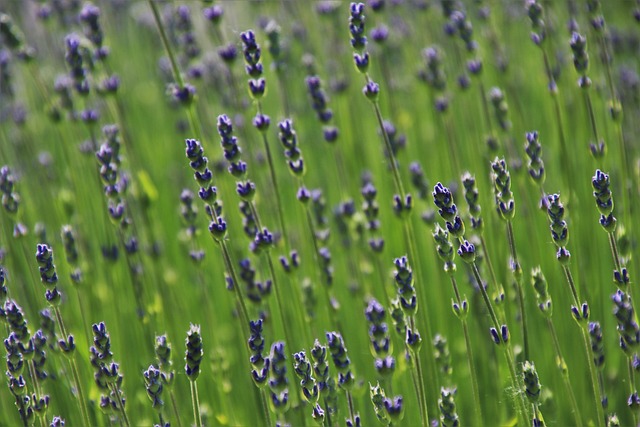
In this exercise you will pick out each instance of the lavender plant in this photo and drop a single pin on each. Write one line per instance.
(163, 73)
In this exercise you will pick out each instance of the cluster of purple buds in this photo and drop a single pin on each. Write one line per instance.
(207, 193)
(319, 103)
(471, 196)
(388, 410)
(371, 209)
(75, 61)
(538, 26)
(115, 183)
(578, 44)
(259, 363)
(254, 68)
(278, 383)
(341, 361)
(48, 275)
(255, 290)
(90, 18)
(106, 371)
(289, 140)
(534, 152)
(10, 199)
(379, 338)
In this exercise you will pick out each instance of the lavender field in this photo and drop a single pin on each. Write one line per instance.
(299, 213)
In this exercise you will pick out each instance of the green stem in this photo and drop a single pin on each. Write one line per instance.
(415, 376)
(120, 405)
(520, 404)
(594, 383)
(632, 387)
(175, 409)
(265, 407)
(565, 373)
(572, 285)
(392, 157)
(74, 371)
(469, 351)
(558, 117)
(352, 412)
(274, 182)
(592, 118)
(492, 272)
(196, 129)
(195, 401)
(517, 272)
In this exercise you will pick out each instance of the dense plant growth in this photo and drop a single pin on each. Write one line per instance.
(404, 212)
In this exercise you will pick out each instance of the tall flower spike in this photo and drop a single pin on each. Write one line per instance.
(604, 200)
(302, 368)
(543, 298)
(558, 226)
(447, 406)
(403, 277)
(502, 183)
(278, 382)
(534, 152)
(628, 328)
(442, 355)
(259, 363)
(356, 27)
(471, 196)
(379, 338)
(443, 200)
(340, 360)
(597, 344)
(194, 353)
(292, 152)
(531, 383)
(252, 58)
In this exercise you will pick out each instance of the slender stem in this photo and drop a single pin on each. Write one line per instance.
(195, 401)
(594, 383)
(74, 371)
(558, 117)
(120, 405)
(265, 407)
(469, 350)
(592, 118)
(274, 182)
(517, 272)
(175, 409)
(485, 296)
(392, 157)
(352, 412)
(488, 259)
(231, 271)
(632, 387)
(572, 285)
(415, 376)
(197, 130)
(614, 251)
(316, 248)
(285, 324)
(565, 373)
(424, 317)
(521, 407)
(446, 123)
